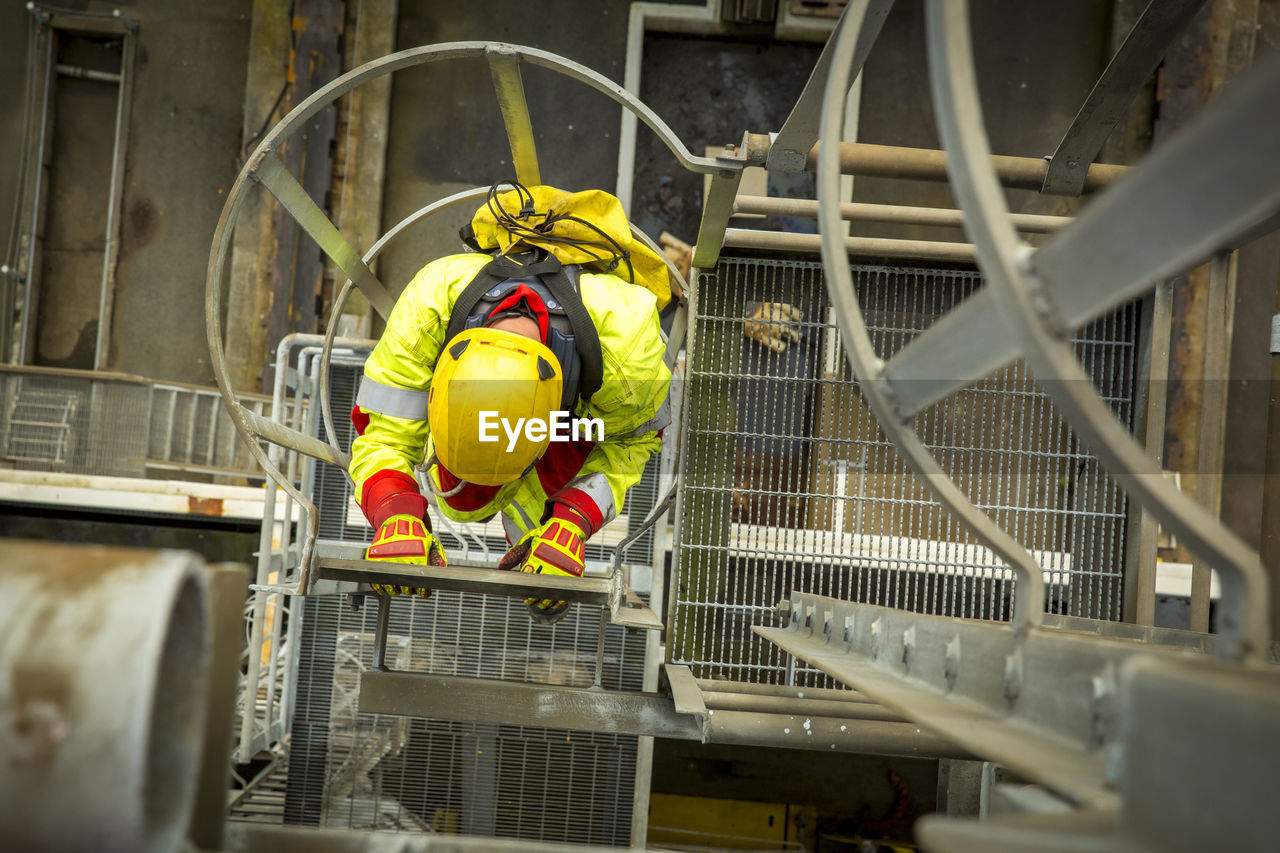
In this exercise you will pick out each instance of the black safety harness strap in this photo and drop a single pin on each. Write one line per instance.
(552, 275)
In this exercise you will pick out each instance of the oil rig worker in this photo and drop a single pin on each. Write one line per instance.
(526, 378)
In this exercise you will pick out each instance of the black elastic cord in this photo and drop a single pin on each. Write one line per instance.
(613, 253)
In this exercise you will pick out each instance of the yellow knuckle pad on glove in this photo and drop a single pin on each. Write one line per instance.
(404, 539)
(557, 550)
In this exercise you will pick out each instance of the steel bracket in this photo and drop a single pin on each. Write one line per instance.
(1043, 704)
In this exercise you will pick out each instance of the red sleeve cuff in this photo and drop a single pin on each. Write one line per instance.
(575, 506)
(359, 419)
(389, 493)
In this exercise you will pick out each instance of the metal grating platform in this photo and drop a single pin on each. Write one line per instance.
(366, 771)
(789, 485)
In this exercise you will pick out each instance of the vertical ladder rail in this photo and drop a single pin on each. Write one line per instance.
(504, 66)
(46, 42)
(111, 253)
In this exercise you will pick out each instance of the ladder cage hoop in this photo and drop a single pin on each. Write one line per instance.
(1029, 587)
(265, 153)
(1004, 259)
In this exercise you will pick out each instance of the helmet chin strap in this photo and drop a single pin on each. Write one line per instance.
(500, 322)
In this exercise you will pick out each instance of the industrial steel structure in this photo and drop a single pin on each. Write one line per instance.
(923, 526)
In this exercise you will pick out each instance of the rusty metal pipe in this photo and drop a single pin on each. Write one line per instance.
(894, 213)
(779, 241)
(103, 687)
(926, 164)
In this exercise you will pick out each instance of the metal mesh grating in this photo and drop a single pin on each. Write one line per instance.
(80, 423)
(367, 771)
(332, 487)
(788, 483)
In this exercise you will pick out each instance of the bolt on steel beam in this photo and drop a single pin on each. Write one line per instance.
(1043, 705)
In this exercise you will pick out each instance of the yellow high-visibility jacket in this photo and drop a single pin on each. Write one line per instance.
(631, 402)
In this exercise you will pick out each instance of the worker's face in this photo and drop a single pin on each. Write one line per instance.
(519, 326)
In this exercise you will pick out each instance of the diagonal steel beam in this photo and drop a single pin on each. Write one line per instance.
(516, 702)
(1195, 754)
(278, 433)
(1217, 179)
(1112, 95)
(504, 66)
(799, 132)
(486, 700)
(273, 175)
(1212, 182)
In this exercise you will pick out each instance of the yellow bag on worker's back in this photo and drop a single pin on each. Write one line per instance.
(587, 228)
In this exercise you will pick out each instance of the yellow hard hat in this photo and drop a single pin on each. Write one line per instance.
(487, 385)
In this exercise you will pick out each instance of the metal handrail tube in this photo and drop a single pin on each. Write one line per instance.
(279, 410)
(926, 164)
(785, 241)
(902, 214)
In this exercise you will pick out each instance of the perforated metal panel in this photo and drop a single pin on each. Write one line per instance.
(788, 483)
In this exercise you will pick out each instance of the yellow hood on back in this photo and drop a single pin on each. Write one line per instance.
(555, 213)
